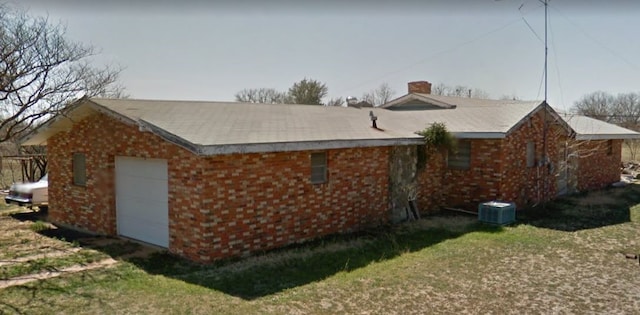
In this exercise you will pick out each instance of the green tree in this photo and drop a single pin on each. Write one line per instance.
(308, 91)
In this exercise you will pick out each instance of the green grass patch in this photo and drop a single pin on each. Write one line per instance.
(49, 264)
(565, 258)
(39, 226)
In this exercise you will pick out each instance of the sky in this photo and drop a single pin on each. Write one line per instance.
(209, 50)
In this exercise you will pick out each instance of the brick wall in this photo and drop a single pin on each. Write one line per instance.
(598, 163)
(101, 139)
(498, 170)
(225, 205)
(530, 184)
(462, 188)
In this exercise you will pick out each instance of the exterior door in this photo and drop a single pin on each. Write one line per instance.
(563, 169)
(142, 190)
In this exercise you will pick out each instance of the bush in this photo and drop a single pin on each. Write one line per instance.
(436, 136)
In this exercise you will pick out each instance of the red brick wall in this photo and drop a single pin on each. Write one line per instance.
(497, 171)
(597, 168)
(262, 201)
(101, 139)
(225, 205)
(523, 184)
(463, 188)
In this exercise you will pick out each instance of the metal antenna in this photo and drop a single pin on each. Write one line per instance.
(546, 48)
(545, 184)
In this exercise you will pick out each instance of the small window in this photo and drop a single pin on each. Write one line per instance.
(79, 169)
(461, 158)
(610, 147)
(421, 157)
(531, 154)
(318, 168)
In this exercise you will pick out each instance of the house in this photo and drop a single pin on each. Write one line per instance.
(209, 180)
(519, 151)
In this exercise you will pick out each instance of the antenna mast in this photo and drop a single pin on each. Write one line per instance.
(546, 48)
(546, 162)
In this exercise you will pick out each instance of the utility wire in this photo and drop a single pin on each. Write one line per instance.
(556, 61)
(532, 31)
(438, 53)
(595, 40)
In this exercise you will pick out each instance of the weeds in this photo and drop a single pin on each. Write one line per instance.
(39, 226)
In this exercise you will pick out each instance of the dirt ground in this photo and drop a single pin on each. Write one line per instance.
(581, 258)
(26, 238)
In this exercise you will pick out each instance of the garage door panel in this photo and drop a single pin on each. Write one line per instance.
(142, 211)
(132, 188)
(142, 199)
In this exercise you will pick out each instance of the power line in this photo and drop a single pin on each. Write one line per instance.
(609, 49)
(441, 52)
(555, 57)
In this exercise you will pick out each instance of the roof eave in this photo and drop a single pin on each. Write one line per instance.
(607, 136)
(65, 120)
(415, 97)
(479, 135)
(304, 145)
(542, 106)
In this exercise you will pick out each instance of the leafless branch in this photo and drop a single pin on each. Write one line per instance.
(41, 72)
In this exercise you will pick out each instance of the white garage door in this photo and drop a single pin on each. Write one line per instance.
(142, 208)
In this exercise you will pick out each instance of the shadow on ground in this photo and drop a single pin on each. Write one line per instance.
(277, 270)
(588, 210)
(274, 271)
(295, 266)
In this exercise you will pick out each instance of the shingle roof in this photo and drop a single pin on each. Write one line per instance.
(467, 117)
(231, 127)
(587, 128)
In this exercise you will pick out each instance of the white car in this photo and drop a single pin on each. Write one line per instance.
(31, 194)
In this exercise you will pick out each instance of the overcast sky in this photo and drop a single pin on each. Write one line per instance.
(209, 50)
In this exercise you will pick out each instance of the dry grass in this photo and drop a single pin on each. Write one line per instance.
(10, 173)
(567, 261)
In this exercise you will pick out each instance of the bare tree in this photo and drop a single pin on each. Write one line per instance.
(41, 71)
(625, 110)
(380, 95)
(598, 105)
(262, 96)
(335, 101)
(458, 90)
(510, 97)
(633, 147)
(305, 91)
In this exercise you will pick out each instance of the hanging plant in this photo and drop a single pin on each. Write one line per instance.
(437, 137)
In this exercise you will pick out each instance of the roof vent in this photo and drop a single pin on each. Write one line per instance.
(373, 119)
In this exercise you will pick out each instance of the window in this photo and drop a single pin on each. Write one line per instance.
(421, 157)
(461, 158)
(79, 169)
(318, 168)
(531, 154)
(610, 147)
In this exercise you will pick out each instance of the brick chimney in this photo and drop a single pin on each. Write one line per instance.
(423, 87)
